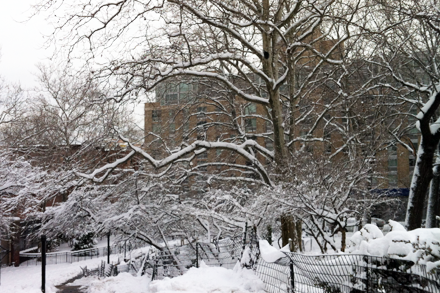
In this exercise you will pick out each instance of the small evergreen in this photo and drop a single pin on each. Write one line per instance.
(84, 242)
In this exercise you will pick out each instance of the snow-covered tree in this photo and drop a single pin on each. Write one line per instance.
(23, 188)
(275, 54)
(406, 50)
(295, 59)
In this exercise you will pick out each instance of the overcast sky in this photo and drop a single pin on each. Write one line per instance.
(21, 42)
(22, 45)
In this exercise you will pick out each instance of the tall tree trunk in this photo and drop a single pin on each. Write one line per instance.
(291, 229)
(270, 68)
(343, 239)
(433, 200)
(420, 185)
(425, 157)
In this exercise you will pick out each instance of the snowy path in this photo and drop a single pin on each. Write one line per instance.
(27, 279)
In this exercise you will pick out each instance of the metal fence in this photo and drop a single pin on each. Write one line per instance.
(291, 273)
(27, 259)
(345, 273)
(175, 261)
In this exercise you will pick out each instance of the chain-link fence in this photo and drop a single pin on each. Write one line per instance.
(345, 273)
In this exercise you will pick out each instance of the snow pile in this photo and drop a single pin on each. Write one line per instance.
(270, 253)
(122, 283)
(421, 246)
(210, 279)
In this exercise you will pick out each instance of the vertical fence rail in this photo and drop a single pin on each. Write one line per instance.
(43, 263)
(197, 254)
(292, 277)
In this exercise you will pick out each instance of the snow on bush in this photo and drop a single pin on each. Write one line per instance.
(422, 246)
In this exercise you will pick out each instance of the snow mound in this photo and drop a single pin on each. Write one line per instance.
(269, 253)
(421, 246)
(122, 283)
(210, 279)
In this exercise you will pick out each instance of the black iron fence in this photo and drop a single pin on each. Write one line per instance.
(345, 273)
(27, 259)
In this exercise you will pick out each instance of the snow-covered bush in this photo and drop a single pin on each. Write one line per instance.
(421, 246)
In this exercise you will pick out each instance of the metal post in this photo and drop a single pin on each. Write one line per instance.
(367, 275)
(244, 240)
(197, 254)
(125, 250)
(43, 263)
(292, 277)
(108, 248)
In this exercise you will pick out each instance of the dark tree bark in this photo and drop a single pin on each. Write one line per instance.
(423, 172)
(291, 229)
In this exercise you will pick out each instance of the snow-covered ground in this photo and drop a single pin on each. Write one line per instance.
(27, 279)
(204, 279)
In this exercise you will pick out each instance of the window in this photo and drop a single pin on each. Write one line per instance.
(328, 148)
(172, 127)
(250, 124)
(201, 112)
(250, 109)
(392, 162)
(186, 126)
(269, 144)
(203, 155)
(392, 158)
(174, 93)
(392, 179)
(184, 89)
(269, 126)
(201, 126)
(171, 98)
(200, 167)
(155, 115)
(156, 128)
(374, 181)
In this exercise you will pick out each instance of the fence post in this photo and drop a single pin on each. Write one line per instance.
(108, 247)
(367, 271)
(292, 276)
(153, 275)
(197, 254)
(43, 263)
(244, 240)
